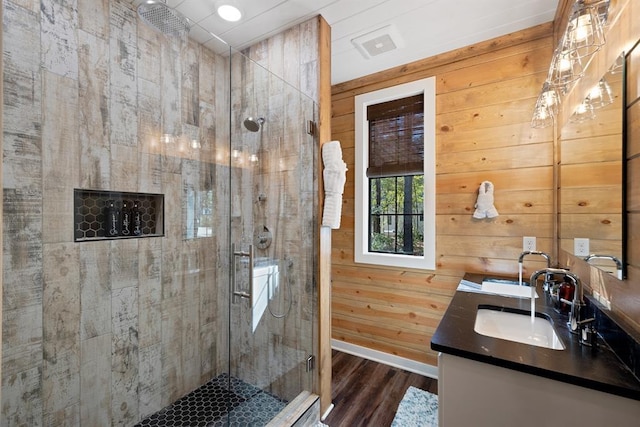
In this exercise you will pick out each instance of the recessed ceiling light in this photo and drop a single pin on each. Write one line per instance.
(229, 13)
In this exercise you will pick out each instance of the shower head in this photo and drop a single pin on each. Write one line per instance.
(159, 16)
(253, 125)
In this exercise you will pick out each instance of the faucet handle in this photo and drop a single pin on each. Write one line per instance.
(575, 316)
(588, 333)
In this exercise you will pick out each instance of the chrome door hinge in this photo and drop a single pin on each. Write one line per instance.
(311, 127)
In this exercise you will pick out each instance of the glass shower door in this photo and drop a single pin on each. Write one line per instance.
(272, 192)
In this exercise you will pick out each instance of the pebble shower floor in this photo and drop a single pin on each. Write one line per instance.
(209, 405)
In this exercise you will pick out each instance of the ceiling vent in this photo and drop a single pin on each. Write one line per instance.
(379, 41)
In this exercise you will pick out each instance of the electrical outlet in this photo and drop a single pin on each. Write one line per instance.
(581, 247)
(528, 243)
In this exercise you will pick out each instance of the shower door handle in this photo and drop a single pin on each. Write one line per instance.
(241, 254)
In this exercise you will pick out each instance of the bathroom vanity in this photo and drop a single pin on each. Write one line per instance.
(486, 381)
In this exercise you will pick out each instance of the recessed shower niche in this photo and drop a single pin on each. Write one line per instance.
(105, 215)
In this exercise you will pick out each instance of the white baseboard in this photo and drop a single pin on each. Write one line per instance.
(386, 358)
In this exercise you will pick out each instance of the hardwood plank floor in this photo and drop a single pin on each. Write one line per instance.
(367, 393)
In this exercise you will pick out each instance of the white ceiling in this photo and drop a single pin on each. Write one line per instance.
(423, 28)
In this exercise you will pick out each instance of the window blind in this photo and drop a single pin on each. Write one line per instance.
(396, 137)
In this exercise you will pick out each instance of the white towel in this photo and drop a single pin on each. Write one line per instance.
(334, 179)
(334, 176)
(484, 204)
(332, 211)
(331, 153)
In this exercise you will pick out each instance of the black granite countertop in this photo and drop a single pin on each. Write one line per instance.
(577, 364)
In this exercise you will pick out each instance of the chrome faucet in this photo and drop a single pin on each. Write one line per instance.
(542, 254)
(576, 315)
(609, 257)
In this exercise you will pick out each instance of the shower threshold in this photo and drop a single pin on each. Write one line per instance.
(223, 401)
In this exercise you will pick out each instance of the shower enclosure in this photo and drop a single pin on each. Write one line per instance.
(272, 235)
(212, 317)
(260, 202)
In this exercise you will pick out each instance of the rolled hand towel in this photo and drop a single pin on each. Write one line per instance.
(484, 204)
(332, 210)
(331, 153)
(334, 179)
(334, 176)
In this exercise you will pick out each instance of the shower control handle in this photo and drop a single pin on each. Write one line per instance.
(241, 254)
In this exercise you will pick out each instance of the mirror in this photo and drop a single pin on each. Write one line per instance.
(590, 176)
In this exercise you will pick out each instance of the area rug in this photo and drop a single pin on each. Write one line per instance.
(418, 408)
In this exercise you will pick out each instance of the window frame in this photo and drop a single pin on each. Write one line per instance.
(427, 261)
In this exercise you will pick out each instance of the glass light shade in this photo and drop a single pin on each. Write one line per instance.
(585, 33)
(566, 68)
(618, 66)
(583, 112)
(541, 119)
(543, 112)
(600, 95)
(550, 98)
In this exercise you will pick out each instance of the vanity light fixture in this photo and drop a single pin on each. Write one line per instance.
(583, 37)
(546, 106)
(551, 97)
(566, 68)
(583, 112)
(229, 12)
(542, 117)
(585, 31)
(600, 95)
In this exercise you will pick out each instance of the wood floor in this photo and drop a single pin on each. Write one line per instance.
(367, 393)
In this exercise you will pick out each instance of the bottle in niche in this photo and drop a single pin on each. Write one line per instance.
(113, 218)
(125, 229)
(136, 217)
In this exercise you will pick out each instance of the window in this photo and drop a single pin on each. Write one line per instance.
(395, 176)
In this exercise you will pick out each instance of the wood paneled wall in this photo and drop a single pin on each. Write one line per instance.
(590, 194)
(485, 96)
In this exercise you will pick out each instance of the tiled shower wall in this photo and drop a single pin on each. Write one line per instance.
(107, 332)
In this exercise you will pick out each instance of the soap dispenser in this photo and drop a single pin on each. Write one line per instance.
(136, 217)
(125, 229)
(112, 218)
(567, 289)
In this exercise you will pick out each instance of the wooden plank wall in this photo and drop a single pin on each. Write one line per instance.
(590, 193)
(485, 97)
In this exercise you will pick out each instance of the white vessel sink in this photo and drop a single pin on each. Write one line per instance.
(517, 327)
